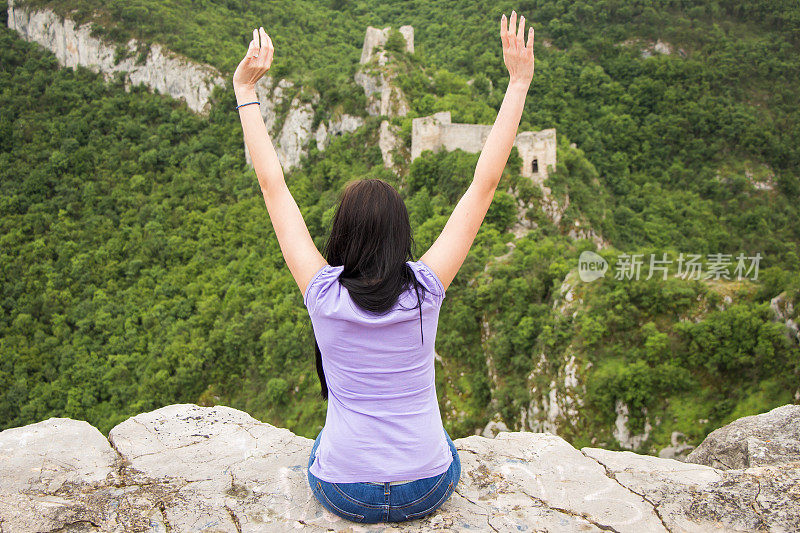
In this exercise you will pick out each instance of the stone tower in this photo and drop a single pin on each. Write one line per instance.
(434, 132)
(376, 77)
(377, 37)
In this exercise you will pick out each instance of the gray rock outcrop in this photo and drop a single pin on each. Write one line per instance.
(677, 449)
(292, 135)
(335, 127)
(784, 311)
(162, 70)
(652, 48)
(771, 438)
(185, 467)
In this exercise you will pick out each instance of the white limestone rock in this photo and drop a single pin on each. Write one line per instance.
(695, 498)
(185, 467)
(296, 132)
(586, 233)
(783, 310)
(678, 449)
(272, 94)
(236, 469)
(80, 454)
(652, 48)
(321, 136)
(556, 407)
(383, 98)
(292, 138)
(555, 476)
(621, 431)
(493, 428)
(335, 127)
(41, 463)
(388, 141)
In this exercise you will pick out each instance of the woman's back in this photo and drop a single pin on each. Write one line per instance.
(383, 421)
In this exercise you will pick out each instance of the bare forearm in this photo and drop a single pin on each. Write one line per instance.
(498, 144)
(262, 152)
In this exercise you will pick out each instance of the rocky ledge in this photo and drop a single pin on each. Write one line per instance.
(190, 468)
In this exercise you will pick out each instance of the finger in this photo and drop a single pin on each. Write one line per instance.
(530, 40)
(271, 50)
(512, 29)
(251, 49)
(264, 48)
(520, 33)
(504, 35)
(255, 41)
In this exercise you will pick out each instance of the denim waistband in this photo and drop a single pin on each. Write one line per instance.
(391, 482)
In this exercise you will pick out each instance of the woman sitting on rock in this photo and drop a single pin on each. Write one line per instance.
(383, 454)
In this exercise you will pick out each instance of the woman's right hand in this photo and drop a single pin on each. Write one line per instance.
(256, 61)
(517, 56)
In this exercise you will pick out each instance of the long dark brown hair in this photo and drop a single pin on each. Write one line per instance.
(371, 237)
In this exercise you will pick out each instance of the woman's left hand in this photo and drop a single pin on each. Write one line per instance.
(256, 61)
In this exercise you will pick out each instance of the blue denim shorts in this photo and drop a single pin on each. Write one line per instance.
(371, 502)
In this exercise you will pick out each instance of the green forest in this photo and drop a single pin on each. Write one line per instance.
(139, 267)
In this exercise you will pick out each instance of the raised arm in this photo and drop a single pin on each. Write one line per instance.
(297, 246)
(448, 252)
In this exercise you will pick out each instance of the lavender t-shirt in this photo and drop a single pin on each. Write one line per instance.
(383, 421)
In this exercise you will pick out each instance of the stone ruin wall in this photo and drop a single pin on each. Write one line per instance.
(436, 132)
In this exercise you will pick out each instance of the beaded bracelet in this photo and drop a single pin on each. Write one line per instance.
(248, 103)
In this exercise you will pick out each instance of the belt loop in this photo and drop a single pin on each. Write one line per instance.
(385, 488)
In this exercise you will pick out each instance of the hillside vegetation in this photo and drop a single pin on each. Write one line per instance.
(139, 267)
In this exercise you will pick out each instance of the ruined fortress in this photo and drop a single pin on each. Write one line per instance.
(435, 132)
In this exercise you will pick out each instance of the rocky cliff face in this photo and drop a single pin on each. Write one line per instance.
(185, 467)
(376, 76)
(162, 70)
(289, 120)
(292, 135)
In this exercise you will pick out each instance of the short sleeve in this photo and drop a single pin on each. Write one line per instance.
(429, 280)
(319, 285)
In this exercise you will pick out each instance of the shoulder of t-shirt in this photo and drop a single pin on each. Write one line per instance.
(428, 278)
(324, 280)
(320, 283)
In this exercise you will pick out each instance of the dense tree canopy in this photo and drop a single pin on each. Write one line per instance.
(139, 267)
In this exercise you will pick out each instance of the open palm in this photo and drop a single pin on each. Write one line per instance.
(517, 56)
(256, 61)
